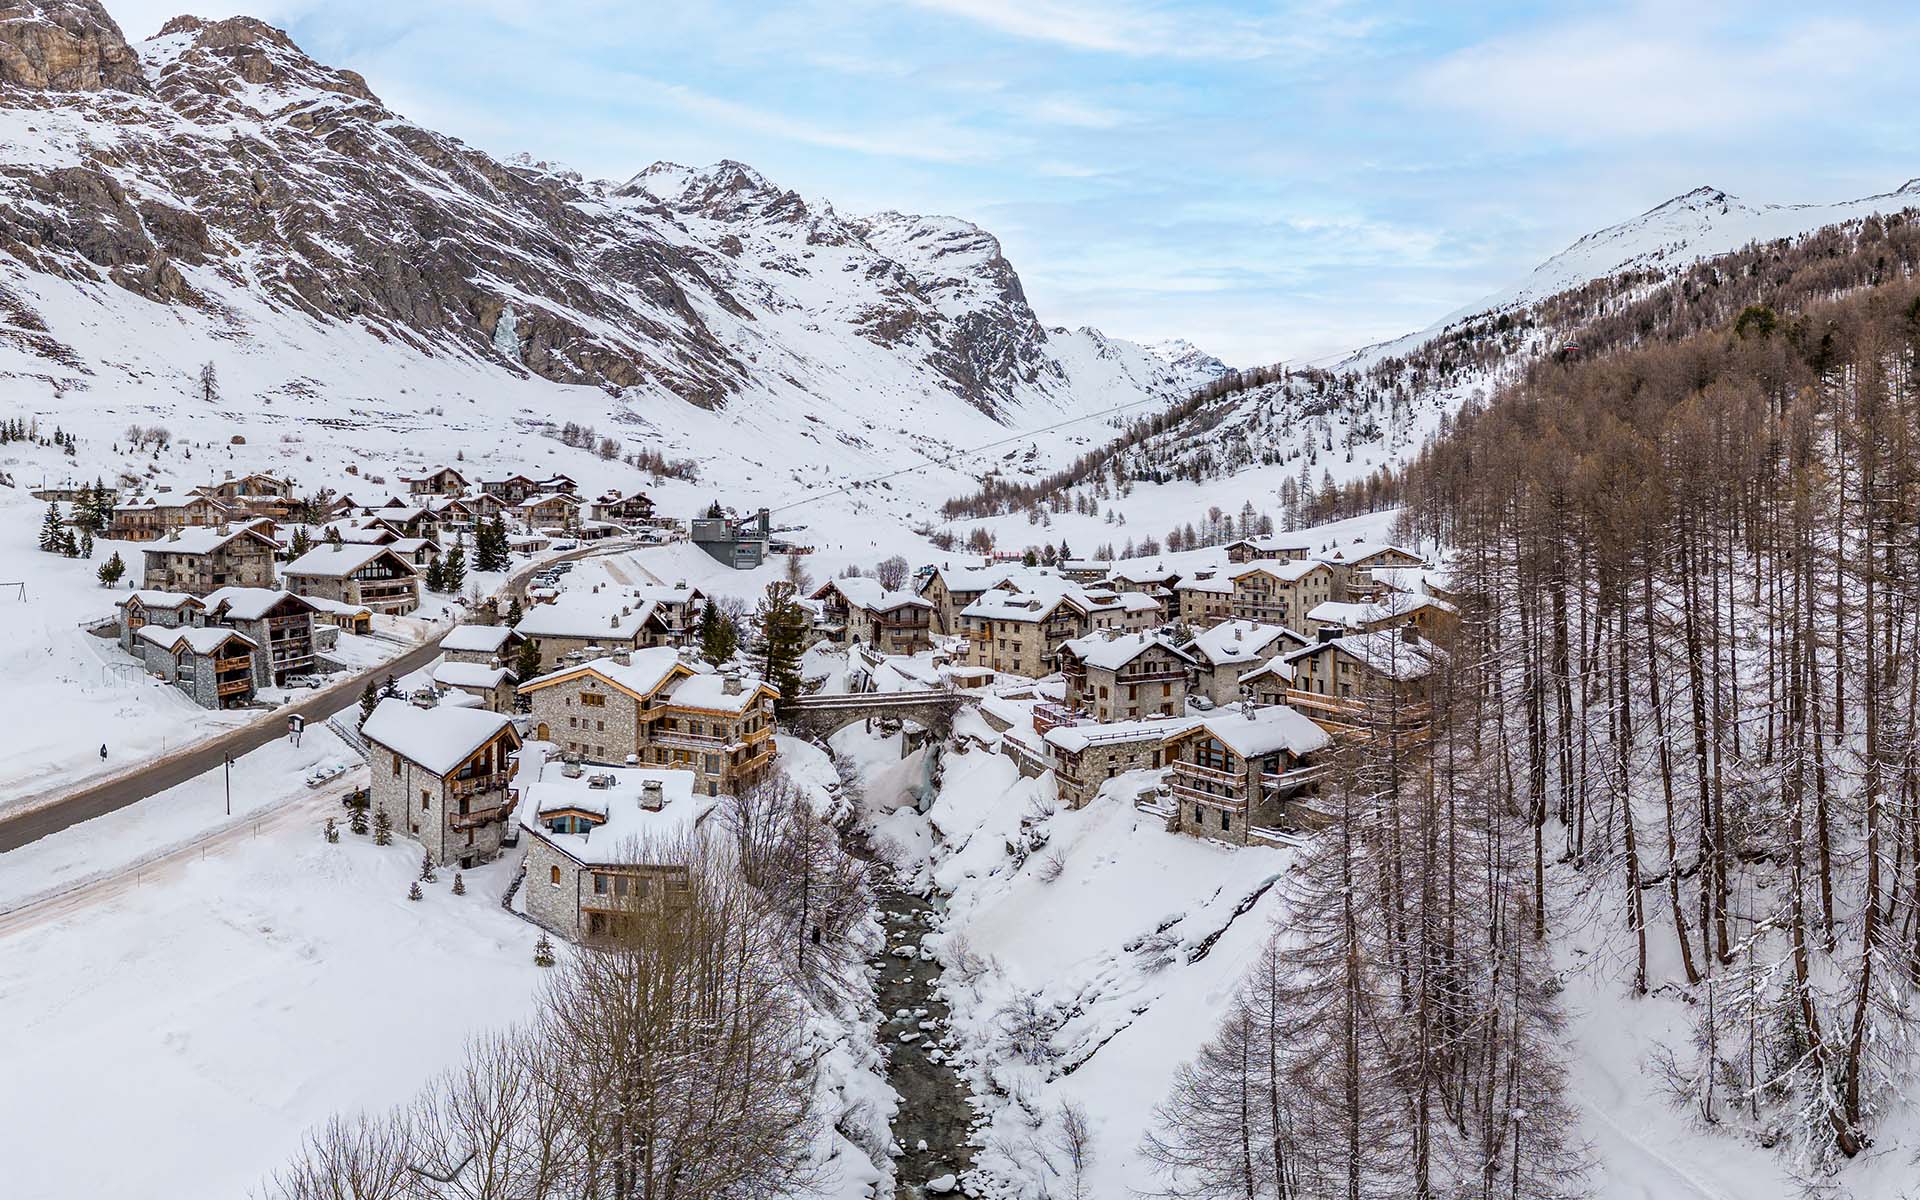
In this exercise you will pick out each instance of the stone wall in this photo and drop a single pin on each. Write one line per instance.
(611, 728)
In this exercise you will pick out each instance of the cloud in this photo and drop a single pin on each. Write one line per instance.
(1637, 74)
(1114, 27)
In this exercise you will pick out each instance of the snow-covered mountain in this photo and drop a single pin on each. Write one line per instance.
(214, 194)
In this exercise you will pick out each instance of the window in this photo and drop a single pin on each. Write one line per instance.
(1226, 822)
(426, 801)
(600, 726)
(599, 883)
(553, 876)
(396, 764)
(593, 700)
(620, 885)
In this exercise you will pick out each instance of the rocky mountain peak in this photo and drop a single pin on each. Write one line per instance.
(230, 57)
(65, 46)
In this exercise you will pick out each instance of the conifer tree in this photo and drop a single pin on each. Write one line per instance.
(300, 543)
(459, 884)
(514, 611)
(782, 632)
(526, 663)
(68, 546)
(86, 543)
(543, 952)
(50, 528)
(413, 890)
(382, 828)
(369, 700)
(331, 831)
(436, 580)
(111, 570)
(427, 874)
(453, 572)
(357, 819)
(719, 640)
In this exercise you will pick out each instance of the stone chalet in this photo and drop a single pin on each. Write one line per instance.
(1204, 598)
(1269, 683)
(1430, 614)
(278, 622)
(1086, 756)
(437, 481)
(1353, 566)
(1226, 652)
(147, 519)
(164, 610)
(1242, 770)
(493, 687)
(511, 490)
(1277, 593)
(201, 560)
(485, 645)
(254, 495)
(1125, 677)
(614, 505)
(214, 666)
(441, 775)
(1339, 677)
(593, 623)
(548, 510)
(600, 845)
(679, 606)
(649, 708)
(1021, 633)
(952, 589)
(373, 576)
(1280, 548)
(858, 611)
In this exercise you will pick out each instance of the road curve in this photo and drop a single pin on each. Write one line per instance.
(118, 791)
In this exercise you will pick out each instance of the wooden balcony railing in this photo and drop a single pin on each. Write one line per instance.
(474, 784)
(235, 688)
(480, 816)
(222, 666)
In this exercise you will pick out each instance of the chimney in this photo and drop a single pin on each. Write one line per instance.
(730, 683)
(623, 658)
(1410, 633)
(173, 535)
(1328, 633)
(652, 797)
(570, 769)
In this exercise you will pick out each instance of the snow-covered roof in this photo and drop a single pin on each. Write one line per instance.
(249, 603)
(1075, 738)
(995, 605)
(338, 607)
(439, 739)
(1355, 552)
(477, 639)
(468, 674)
(642, 674)
(709, 692)
(1266, 730)
(1419, 581)
(1103, 600)
(1142, 572)
(1275, 543)
(338, 560)
(201, 639)
(626, 827)
(150, 598)
(1279, 668)
(1285, 572)
(1110, 654)
(660, 593)
(1216, 584)
(1386, 651)
(861, 592)
(584, 615)
(1363, 615)
(1236, 642)
(205, 539)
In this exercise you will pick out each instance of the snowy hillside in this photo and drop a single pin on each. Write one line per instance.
(215, 195)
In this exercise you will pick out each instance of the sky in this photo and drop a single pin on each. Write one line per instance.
(1272, 181)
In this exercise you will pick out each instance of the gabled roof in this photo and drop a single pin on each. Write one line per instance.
(579, 614)
(861, 592)
(1110, 654)
(1267, 730)
(201, 639)
(1361, 551)
(251, 603)
(641, 676)
(477, 639)
(708, 692)
(205, 539)
(337, 561)
(1385, 651)
(1364, 615)
(624, 829)
(439, 738)
(1075, 738)
(1285, 572)
(150, 598)
(1236, 642)
(467, 674)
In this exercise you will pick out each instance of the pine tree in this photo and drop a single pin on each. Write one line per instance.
(50, 528)
(427, 874)
(436, 576)
(300, 543)
(332, 831)
(515, 613)
(111, 570)
(543, 952)
(369, 700)
(526, 663)
(382, 828)
(782, 632)
(719, 640)
(68, 546)
(490, 548)
(413, 890)
(453, 573)
(357, 820)
(459, 884)
(86, 543)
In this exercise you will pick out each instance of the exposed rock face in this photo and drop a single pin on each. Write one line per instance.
(219, 158)
(65, 45)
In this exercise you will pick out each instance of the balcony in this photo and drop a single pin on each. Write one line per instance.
(481, 816)
(223, 666)
(474, 784)
(687, 741)
(237, 687)
(1222, 789)
(1167, 676)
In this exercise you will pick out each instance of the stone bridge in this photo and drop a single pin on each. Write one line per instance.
(823, 716)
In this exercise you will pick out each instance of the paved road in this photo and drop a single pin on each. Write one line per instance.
(115, 793)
